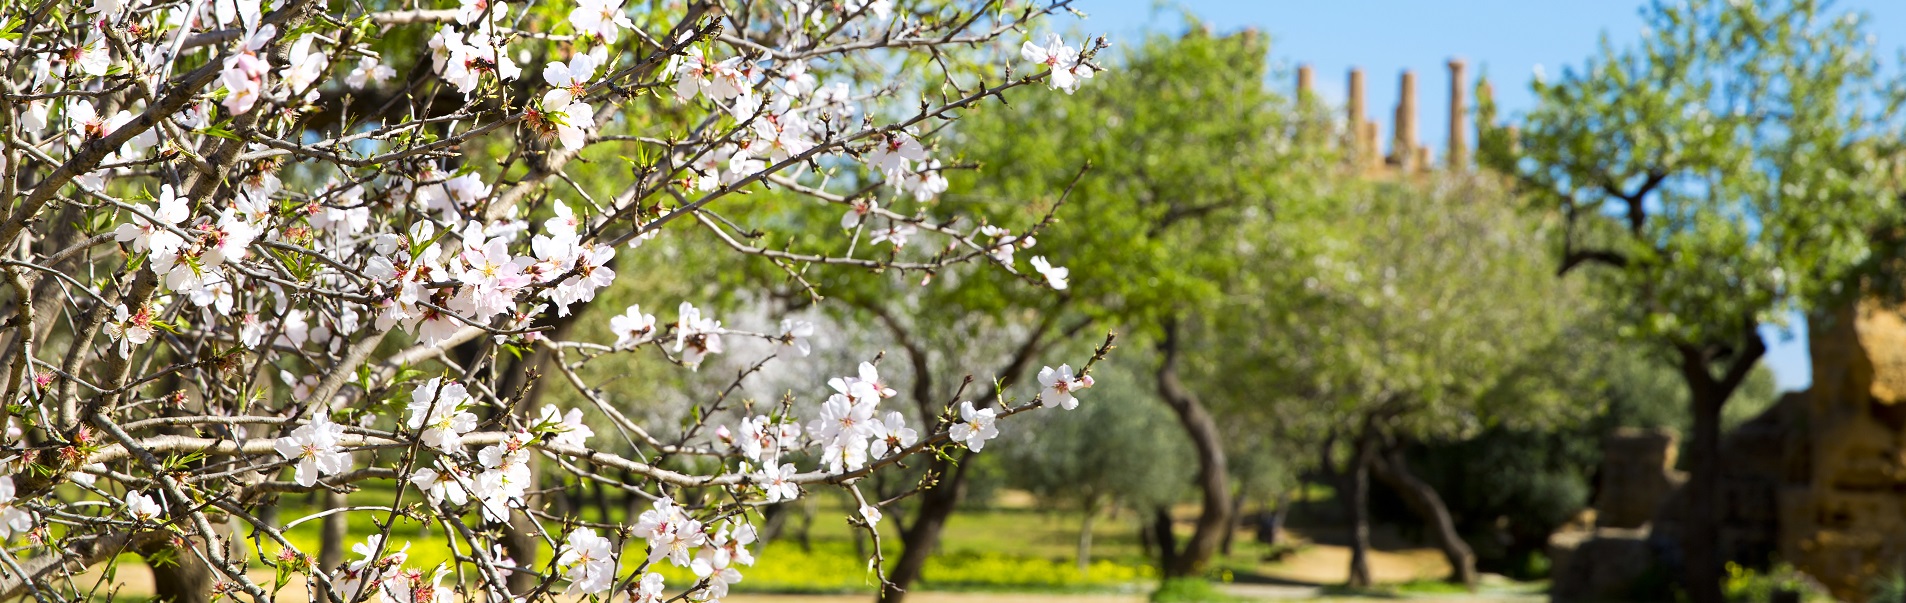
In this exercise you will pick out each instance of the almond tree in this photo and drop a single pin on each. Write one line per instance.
(401, 213)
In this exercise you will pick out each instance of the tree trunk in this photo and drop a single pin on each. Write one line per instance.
(922, 535)
(1701, 521)
(1422, 498)
(1161, 534)
(936, 505)
(520, 541)
(1214, 518)
(774, 518)
(178, 575)
(1701, 539)
(1271, 527)
(1359, 501)
(1237, 509)
(333, 532)
(1085, 538)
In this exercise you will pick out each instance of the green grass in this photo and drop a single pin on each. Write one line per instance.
(1432, 587)
(982, 549)
(1192, 590)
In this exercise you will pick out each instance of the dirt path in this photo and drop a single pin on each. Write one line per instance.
(1330, 564)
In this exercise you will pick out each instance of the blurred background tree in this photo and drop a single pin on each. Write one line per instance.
(1181, 176)
(1718, 176)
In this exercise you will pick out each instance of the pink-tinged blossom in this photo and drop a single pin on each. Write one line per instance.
(695, 336)
(315, 447)
(858, 212)
(244, 72)
(604, 19)
(866, 375)
(778, 483)
(566, 429)
(589, 561)
(670, 532)
(632, 327)
(130, 329)
(1068, 70)
(13, 519)
(976, 426)
(1059, 386)
(437, 409)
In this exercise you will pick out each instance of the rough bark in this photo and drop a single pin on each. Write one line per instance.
(1214, 517)
(1359, 501)
(1708, 395)
(178, 575)
(1394, 471)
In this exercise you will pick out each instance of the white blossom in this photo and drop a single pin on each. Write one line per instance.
(976, 426)
(315, 447)
(141, 507)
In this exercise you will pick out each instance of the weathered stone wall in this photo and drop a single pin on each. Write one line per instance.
(1818, 481)
(1612, 554)
(1843, 520)
(1637, 474)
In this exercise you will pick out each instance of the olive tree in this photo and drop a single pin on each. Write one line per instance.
(1189, 149)
(1716, 176)
(1116, 452)
(1412, 301)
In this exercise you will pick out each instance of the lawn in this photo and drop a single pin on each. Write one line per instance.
(996, 549)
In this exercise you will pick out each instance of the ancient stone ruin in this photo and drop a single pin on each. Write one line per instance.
(1843, 519)
(1818, 481)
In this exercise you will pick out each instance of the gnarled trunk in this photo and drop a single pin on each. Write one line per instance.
(1162, 536)
(1708, 395)
(936, 505)
(1359, 501)
(180, 575)
(1422, 498)
(1214, 518)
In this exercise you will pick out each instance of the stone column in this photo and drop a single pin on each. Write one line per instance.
(1304, 82)
(1403, 142)
(1458, 156)
(1372, 140)
(1360, 152)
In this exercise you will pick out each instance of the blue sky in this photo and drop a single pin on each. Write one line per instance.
(1505, 39)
